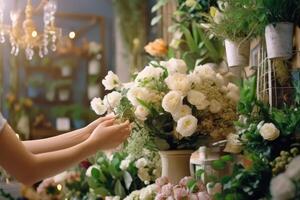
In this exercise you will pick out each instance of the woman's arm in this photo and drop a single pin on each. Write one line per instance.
(29, 168)
(65, 140)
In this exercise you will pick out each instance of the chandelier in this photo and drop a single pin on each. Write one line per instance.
(25, 35)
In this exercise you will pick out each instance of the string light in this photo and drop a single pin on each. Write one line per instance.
(72, 35)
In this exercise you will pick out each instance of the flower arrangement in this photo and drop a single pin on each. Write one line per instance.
(187, 188)
(120, 173)
(175, 105)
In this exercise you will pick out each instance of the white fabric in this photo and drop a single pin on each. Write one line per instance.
(2, 122)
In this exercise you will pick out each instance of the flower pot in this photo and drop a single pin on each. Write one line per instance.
(279, 40)
(237, 53)
(64, 95)
(94, 67)
(63, 124)
(78, 123)
(66, 71)
(175, 164)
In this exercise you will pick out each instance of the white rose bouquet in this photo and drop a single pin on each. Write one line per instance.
(175, 104)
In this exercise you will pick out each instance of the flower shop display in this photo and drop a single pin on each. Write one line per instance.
(269, 143)
(179, 108)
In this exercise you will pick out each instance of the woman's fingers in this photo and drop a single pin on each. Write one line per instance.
(108, 122)
(107, 117)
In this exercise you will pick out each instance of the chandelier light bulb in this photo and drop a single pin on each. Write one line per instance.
(34, 34)
(72, 35)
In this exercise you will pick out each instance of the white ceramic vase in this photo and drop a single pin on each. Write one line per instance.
(279, 40)
(237, 53)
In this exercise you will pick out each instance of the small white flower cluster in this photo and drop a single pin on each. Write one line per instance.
(148, 166)
(111, 100)
(147, 193)
(283, 186)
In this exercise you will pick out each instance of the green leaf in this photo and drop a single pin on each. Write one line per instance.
(127, 179)
(101, 191)
(119, 189)
(189, 39)
(218, 164)
(155, 20)
(95, 173)
(227, 158)
(191, 185)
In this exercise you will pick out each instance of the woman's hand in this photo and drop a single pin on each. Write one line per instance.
(108, 135)
(98, 121)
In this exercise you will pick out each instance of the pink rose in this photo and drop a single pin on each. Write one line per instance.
(193, 197)
(183, 182)
(203, 196)
(180, 193)
(160, 197)
(167, 190)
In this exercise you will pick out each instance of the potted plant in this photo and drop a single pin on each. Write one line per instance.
(279, 19)
(237, 23)
(179, 109)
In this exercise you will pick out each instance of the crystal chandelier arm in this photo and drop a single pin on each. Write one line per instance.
(40, 6)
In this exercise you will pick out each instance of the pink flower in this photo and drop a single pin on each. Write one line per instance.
(180, 193)
(183, 182)
(160, 197)
(201, 187)
(162, 181)
(203, 196)
(193, 197)
(167, 190)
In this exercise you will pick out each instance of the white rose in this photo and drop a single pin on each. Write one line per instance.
(141, 113)
(182, 111)
(143, 174)
(293, 169)
(282, 188)
(197, 99)
(191, 3)
(179, 82)
(111, 81)
(135, 93)
(206, 72)
(149, 72)
(175, 66)
(187, 125)
(124, 164)
(98, 106)
(195, 79)
(172, 101)
(112, 100)
(88, 172)
(215, 106)
(269, 131)
(113, 198)
(141, 163)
